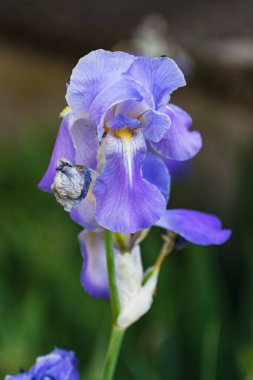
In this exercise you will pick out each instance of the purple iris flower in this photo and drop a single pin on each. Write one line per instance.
(58, 365)
(193, 226)
(108, 164)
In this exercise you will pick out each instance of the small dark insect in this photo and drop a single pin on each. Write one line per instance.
(163, 56)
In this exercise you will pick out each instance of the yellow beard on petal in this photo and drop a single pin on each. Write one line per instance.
(65, 111)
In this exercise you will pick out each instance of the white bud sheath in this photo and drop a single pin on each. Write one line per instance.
(135, 298)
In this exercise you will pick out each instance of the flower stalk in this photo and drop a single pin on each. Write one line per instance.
(114, 297)
(116, 333)
(113, 352)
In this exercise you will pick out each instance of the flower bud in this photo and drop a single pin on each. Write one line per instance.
(135, 298)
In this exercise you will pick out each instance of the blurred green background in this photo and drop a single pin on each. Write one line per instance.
(201, 323)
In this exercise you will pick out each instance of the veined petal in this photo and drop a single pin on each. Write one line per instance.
(86, 142)
(125, 201)
(195, 226)
(63, 148)
(94, 277)
(84, 215)
(94, 73)
(155, 171)
(155, 124)
(155, 79)
(178, 143)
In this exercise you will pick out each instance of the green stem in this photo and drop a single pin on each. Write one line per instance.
(113, 352)
(117, 333)
(114, 297)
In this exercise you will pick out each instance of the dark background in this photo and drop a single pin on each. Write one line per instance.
(201, 323)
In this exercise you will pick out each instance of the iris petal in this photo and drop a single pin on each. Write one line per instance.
(63, 148)
(125, 201)
(131, 108)
(77, 142)
(94, 73)
(94, 277)
(178, 143)
(121, 121)
(120, 91)
(155, 124)
(84, 215)
(59, 364)
(155, 171)
(195, 226)
(96, 85)
(155, 79)
(86, 143)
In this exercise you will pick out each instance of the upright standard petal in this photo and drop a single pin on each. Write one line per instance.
(94, 277)
(155, 171)
(194, 226)
(94, 73)
(63, 148)
(178, 143)
(125, 201)
(155, 79)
